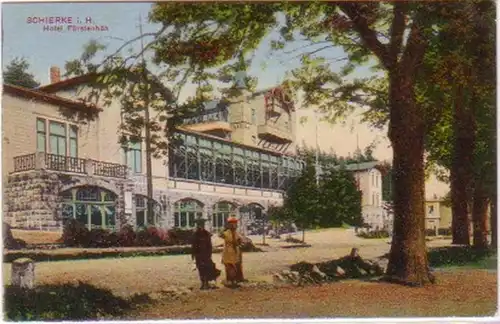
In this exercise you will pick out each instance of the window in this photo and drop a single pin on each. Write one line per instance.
(41, 135)
(92, 206)
(186, 212)
(73, 141)
(431, 210)
(254, 116)
(57, 138)
(376, 181)
(142, 217)
(221, 211)
(133, 157)
(373, 179)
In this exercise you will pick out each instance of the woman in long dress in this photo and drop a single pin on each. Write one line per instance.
(231, 255)
(202, 254)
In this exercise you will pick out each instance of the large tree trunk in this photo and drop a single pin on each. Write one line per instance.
(461, 172)
(408, 262)
(493, 222)
(480, 216)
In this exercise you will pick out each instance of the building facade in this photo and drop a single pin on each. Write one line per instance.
(369, 179)
(236, 157)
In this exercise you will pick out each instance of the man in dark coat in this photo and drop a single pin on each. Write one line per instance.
(202, 254)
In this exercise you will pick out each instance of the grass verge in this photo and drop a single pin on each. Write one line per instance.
(459, 256)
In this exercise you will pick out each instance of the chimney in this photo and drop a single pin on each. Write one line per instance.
(55, 74)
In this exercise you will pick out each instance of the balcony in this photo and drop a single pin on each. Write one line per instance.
(273, 111)
(212, 121)
(273, 134)
(67, 164)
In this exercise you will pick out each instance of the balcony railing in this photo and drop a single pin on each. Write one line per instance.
(211, 115)
(274, 134)
(24, 162)
(64, 163)
(61, 163)
(106, 169)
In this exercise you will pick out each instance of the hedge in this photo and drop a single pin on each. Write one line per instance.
(374, 234)
(76, 234)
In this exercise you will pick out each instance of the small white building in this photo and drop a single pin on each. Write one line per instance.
(369, 178)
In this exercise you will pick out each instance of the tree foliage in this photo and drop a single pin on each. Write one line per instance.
(301, 200)
(17, 73)
(339, 199)
(332, 201)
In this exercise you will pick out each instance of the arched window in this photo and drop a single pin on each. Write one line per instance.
(255, 211)
(142, 219)
(186, 212)
(221, 213)
(92, 206)
(252, 217)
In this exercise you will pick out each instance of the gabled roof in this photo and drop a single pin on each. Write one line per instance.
(90, 77)
(362, 166)
(46, 97)
(68, 83)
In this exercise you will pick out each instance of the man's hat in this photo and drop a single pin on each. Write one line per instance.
(232, 220)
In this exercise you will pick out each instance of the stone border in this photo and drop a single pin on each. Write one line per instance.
(65, 254)
(84, 254)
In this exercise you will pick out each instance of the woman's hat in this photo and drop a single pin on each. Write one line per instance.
(232, 220)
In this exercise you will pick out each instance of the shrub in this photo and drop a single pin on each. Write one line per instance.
(374, 234)
(430, 232)
(444, 231)
(152, 236)
(178, 236)
(458, 256)
(142, 238)
(75, 234)
(126, 236)
(101, 238)
(64, 302)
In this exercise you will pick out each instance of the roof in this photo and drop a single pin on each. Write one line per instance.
(68, 83)
(362, 166)
(182, 129)
(90, 77)
(47, 97)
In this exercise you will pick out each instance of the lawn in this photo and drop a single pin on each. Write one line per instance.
(457, 293)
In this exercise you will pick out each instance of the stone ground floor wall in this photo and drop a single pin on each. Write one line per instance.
(170, 191)
(33, 200)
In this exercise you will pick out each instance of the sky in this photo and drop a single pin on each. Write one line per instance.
(43, 49)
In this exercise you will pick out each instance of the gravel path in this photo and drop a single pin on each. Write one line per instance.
(126, 276)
